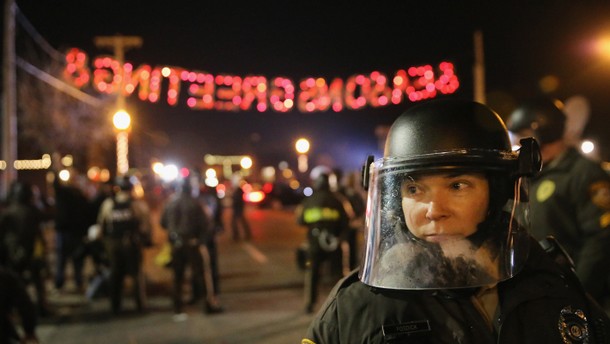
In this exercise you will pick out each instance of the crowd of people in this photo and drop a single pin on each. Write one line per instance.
(108, 224)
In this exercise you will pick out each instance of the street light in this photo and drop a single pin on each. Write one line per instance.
(246, 162)
(302, 147)
(122, 122)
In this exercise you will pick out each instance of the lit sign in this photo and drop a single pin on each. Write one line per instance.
(223, 92)
(38, 164)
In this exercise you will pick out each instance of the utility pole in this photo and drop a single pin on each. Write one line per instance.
(9, 100)
(120, 43)
(479, 68)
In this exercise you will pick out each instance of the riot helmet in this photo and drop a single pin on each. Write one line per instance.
(186, 186)
(543, 117)
(124, 183)
(447, 139)
(322, 182)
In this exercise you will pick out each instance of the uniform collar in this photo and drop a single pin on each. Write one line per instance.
(561, 162)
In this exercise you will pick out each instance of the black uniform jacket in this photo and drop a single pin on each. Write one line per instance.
(543, 303)
(562, 204)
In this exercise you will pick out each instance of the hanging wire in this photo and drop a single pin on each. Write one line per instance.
(58, 56)
(58, 84)
(37, 37)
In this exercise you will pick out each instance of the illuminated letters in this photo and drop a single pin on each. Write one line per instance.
(205, 91)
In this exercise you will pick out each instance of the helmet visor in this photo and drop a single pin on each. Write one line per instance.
(408, 248)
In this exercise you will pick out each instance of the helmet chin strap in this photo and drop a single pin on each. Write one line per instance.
(366, 170)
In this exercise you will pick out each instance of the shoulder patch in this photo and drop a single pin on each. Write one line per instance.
(604, 221)
(545, 190)
(600, 194)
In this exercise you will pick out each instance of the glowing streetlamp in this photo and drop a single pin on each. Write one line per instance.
(122, 123)
(302, 147)
(246, 162)
(602, 46)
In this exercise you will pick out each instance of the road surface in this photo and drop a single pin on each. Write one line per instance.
(261, 292)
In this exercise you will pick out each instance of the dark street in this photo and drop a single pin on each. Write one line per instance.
(261, 292)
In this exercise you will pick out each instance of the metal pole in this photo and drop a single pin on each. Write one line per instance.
(9, 107)
(479, 68)
(119, 43)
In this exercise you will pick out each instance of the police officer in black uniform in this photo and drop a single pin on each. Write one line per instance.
(324, 215)
(126, 230)
(188, 227)
(563, 198)
(448, 258)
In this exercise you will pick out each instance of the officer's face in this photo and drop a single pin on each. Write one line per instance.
(441, 207)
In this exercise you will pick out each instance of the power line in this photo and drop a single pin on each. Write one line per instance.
(38, 73)
(37, 37)
(58, 84)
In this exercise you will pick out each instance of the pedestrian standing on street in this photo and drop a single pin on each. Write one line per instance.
(14, 300)
(70, 208)
(209, 200)
(327, 223)
(448, 256)
(350, 191)
(564, 197)
(94, 243)
(213, 209)
(188, 226)
(126, 230)
(238, 219)
(95, 248)
(22, 241)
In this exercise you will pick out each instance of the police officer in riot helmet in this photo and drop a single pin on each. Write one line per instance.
(569, 198)
(125, 224)
(448, 257)
(541, 118)
(324, 215)
(188, 227)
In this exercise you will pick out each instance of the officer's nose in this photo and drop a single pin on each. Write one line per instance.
(436, 207)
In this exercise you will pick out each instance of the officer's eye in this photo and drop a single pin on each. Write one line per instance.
(410, 189)
(459, 185)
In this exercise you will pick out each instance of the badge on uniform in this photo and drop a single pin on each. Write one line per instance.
(396, 332)
(573, 326)
(545, 190)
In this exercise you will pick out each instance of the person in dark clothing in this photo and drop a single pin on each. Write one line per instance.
(71, 216)
(94, 245)
(448, 256)
(22, 242)
(188, 226)
(126, 230)
(327, 222)
(564, 196)
(238, 219)
(14, 298)
(213, 208)
(348, 188)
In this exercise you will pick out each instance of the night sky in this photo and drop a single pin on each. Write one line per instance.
(522, 44)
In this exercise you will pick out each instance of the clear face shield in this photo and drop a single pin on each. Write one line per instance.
(427, 228)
